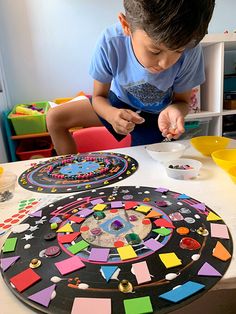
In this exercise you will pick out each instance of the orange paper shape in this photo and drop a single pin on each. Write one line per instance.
(221, 252)
(153, 214)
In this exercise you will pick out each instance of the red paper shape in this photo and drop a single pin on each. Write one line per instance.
(130, 204)
(161, 222)
(68, 238)
(25, 279)
(76, 219)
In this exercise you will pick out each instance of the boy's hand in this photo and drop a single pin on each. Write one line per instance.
(124, 120)
(171, 122)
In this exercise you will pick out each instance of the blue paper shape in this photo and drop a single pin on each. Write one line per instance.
(79, 168)
(184, 291)
(106, 226)
(108, 271)
(183, 197)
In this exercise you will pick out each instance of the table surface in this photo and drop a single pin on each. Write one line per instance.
(213, 187)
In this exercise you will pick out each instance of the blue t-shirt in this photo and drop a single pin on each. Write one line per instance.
(114, 62)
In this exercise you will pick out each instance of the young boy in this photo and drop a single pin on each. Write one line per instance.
(144, 69)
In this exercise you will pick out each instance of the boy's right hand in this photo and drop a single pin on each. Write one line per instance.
(124, 120)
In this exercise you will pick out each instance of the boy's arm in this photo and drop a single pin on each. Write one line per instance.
(171, 119)
(122, 120)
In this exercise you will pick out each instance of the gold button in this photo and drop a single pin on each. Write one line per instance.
(35, 263)
(125, 286)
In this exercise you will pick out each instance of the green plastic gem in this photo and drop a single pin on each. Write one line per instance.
(133, 238)
(54, 226)
(99, 215)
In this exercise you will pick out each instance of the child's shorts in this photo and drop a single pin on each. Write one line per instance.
(143, 134)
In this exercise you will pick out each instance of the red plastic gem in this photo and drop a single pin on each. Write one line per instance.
(189, 244)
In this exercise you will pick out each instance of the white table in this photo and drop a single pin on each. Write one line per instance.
(213, 187)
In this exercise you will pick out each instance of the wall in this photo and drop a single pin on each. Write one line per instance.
(47, 44)
(223, 17)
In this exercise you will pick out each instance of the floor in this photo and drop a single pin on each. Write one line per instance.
(215, 302)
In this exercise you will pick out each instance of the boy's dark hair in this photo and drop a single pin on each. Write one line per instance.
(175, 23)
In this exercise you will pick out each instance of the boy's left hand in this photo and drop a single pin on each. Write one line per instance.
(171, 122)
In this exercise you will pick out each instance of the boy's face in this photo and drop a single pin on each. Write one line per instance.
(153, 57)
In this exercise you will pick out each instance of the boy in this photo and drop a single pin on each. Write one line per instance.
(144, 69)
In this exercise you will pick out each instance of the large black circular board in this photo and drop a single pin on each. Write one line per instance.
(175, 237)
(75, 173)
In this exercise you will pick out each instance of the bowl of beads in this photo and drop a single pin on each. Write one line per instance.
(183, 169)
(208, 144)
(165, 151)
(7, 185)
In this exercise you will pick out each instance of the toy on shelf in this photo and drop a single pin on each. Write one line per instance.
(29, 118)
(29, 110)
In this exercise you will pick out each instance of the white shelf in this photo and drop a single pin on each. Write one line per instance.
(228, 39)
(202, 114)
(228, 112)
(215, 48)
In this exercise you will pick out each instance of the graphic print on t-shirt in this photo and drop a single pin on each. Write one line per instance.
(147, 97)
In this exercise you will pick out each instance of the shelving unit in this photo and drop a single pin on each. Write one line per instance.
(215, 48)
(35, 135)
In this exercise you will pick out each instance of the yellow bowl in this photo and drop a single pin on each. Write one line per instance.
(225, 158)
(208, 144)
(232, 173)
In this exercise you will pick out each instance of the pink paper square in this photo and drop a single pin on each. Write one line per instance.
(141, 272)
(219, 231)
(91, 305)
(70, 264)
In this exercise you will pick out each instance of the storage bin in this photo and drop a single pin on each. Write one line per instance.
(230, 83)
(34, 148)
(28, 124)
(195, 128)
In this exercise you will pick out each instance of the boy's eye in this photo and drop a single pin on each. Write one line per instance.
(155, 53)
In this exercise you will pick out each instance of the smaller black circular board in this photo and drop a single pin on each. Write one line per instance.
(75, 173)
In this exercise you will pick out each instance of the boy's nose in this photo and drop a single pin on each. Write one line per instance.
(165, 63)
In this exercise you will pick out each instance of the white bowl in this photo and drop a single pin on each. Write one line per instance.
(165, 151)
(183, 174)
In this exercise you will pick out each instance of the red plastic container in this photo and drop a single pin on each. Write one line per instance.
(34, 148)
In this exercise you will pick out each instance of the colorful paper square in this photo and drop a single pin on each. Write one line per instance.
(68, 265)
(25, 279)
(99, 207)
(126, 252)
(140, 305)
(99, 254)
(170, 260)
(77, 247)
(91, 305)
(9, 245)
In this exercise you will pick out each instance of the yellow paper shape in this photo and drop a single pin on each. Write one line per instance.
(99, 207)
(213, 217)
(143, 209)
(170, 260)
(66, 228)
(153, 214)
(126, 252)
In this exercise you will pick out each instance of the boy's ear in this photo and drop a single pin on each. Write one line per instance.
(124, 24)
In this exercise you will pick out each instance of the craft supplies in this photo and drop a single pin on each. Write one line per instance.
(7, 185)
(183, 169)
